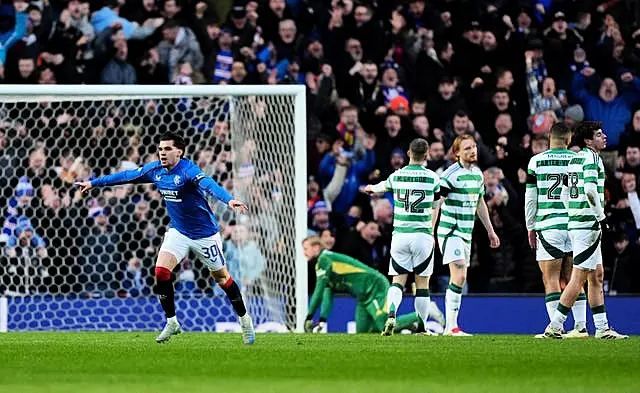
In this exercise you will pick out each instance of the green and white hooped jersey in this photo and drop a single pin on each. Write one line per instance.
(464, 187)
(585, 167)
(414, 187)
(549, 168)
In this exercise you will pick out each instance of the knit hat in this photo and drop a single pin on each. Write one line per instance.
(399, 102)
(575, 112)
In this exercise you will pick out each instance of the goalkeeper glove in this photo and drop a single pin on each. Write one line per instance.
(320, 327)
(308, 326)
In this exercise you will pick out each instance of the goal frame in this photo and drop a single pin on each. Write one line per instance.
(36, 93)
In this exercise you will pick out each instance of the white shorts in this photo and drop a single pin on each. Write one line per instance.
(453, 249)
(208, 249)
(587, 254)
(411, 252)
(552, 244)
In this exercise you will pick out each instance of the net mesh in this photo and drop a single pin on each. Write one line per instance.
(74, 262)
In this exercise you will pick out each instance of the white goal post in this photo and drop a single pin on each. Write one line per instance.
(93, 253)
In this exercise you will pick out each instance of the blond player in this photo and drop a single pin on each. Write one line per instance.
(462, 190)
(547, 220)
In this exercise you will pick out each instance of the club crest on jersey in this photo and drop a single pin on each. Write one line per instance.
(176, 180)
(457, 253)
(158, 177)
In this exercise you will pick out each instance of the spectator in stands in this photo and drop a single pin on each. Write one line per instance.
(205, 161)
(107, 15)
(328, 238)
(632, 160)
(383, 215)
(498, 265)
(356, 170)
(11, 17)
(612, 109)
(244, 252)
(179, 44)
(118, 71)
(319, 218)
(313, 192)
(26, 72)
(242, 32)
(621, 271)
(360, 244)
(99, 254)
(25, 239)
(631, 134)
(437, 161)
(377, 76)
(573, 115)
(421, 126)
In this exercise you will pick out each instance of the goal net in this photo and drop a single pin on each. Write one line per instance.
(74, 262)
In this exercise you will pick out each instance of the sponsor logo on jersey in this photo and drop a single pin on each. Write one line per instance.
(472, 203)
(170, 195)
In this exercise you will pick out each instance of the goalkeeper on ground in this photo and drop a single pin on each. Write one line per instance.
(338, 273)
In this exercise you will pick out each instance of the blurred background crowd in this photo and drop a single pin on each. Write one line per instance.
(378, 74)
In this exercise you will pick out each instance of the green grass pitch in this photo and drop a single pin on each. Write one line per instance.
(202, 362)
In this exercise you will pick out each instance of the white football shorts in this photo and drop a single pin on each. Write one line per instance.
(587, 253)
(453, 249)
(411, 252)
(208, 249)
(552, 244)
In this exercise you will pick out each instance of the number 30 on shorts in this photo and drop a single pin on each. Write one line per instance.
(212, 253)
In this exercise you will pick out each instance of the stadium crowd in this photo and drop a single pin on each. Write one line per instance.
(378, 74)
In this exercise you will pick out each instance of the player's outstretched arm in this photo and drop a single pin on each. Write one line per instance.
(383, 186)
(210, 186)
(136, 176)
(483, 213)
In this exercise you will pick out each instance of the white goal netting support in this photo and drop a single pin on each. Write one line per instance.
(73, 262)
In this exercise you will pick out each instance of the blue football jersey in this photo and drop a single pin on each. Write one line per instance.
(184, 189)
